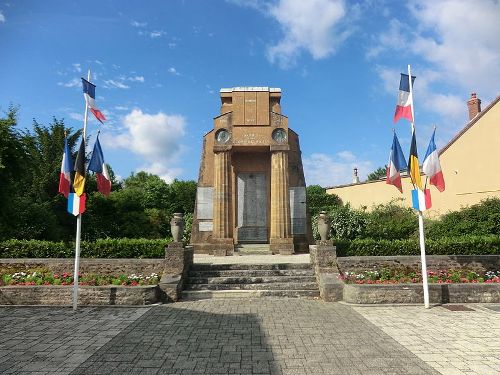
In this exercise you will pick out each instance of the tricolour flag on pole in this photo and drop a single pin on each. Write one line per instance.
(98, 166)
(89, 95)
(413, 166)
(65, 175)
(79, 180)
(421, 200)
(403, 107)
(76, 204)
(432, 166)
(397, 163)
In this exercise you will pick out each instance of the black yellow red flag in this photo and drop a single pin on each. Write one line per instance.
(79, 180)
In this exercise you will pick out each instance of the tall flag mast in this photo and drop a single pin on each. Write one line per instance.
(414, 171)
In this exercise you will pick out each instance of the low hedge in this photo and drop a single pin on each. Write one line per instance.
(105, 248)
(470, 245)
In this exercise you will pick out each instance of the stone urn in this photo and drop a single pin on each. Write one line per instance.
(323, 225)
(177, 227)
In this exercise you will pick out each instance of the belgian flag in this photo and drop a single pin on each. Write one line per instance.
(413, 167)
(79, 180)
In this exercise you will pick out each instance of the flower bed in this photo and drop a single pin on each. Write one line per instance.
(406, 275)
(43, 277)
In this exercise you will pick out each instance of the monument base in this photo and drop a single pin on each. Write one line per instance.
(222, 247)
(282, 246)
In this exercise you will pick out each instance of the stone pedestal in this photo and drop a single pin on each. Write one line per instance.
(222, 246)
(177, 261)
(281, 240)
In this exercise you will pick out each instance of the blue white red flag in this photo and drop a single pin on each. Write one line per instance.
(432, 166)
(66, 167)
(397, 163)
(405, 100)
(98, 166)
(421, 200)
(89, 95)
(76, 204)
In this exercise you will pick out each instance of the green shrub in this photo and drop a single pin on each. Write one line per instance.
(390, 221)
(477, 220)
(346, 223)
(472, 245)
(105, 248)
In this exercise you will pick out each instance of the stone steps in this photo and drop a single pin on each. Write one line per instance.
(252, 249)
(250, 281)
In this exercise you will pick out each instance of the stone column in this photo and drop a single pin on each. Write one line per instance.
(281, 240)
(222, 218)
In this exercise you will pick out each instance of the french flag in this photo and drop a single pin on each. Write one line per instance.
(397, 163)
(76, 204)
(98, 166)
(432, 166)
(89, 95)
(66, 167)
(405, 100)
(421, 200)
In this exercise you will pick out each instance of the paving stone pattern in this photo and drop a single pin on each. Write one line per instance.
(247, 336)
(55, 340)
(452, 342)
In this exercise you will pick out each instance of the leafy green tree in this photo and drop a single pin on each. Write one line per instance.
(390, 221)
(377, 174)
(318, 200)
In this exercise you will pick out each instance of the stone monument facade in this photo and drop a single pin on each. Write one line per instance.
(251, 186)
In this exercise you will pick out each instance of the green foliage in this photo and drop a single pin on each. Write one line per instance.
(472, 245)
(377, 174)
(318, 200)
(105, 248)
(479, 219)
(390, 222)
(347, 223)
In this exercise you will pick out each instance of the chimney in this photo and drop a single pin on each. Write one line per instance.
(474, 105)
(355, 178)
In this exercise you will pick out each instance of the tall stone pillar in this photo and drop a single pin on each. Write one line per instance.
(222, 215)
(281, 240)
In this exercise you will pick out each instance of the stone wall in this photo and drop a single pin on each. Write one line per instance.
(479, 263)
(113, 267)
(87, 295)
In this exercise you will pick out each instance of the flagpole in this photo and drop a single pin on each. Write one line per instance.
(420, 216)
(79, 222)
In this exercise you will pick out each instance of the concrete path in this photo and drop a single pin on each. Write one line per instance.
(248, 336)
(252, 259)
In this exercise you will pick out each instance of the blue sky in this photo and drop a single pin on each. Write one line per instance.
(159, 66)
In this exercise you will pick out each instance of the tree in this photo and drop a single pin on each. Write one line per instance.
(318, 200)
(377, 174)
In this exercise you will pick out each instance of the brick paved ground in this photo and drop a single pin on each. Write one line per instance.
(261, 336)
(452, 342)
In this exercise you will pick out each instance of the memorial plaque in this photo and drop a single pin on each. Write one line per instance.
(298, 213)
(204, 200)
(252, 207)
(205, 226)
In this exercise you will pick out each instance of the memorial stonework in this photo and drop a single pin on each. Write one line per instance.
(251, 186)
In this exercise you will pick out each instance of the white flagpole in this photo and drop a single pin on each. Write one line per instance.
(79, 222)
(420, 217)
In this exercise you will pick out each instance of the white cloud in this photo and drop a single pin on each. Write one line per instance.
(173, 71)
(110, 84)
(2, 17)
(457, 40)
(157, 33)
(121, 108)
(325, 170)
(77, 68)
(154, 137)
(138, 24)
(76, 116)
(313, 26)
(136, 79)
(75, 82)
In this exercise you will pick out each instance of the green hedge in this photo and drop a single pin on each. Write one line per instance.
(105, 248)
(471, 245)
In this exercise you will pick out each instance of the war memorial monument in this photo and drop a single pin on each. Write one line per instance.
(251, 186)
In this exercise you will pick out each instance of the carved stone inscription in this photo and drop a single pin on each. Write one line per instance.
(298, 210)
(204, 202)
(252, 207)
(205, 226)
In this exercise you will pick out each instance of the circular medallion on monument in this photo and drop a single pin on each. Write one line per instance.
(279, 135)
(222, 136)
